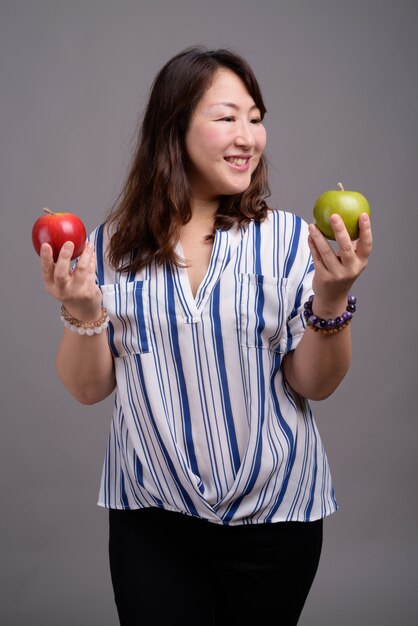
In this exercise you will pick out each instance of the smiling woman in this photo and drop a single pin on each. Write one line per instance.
(215, 475)
(156, 202)
(225, 140)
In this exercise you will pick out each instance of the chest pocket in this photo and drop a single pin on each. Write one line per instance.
(128, 308)
(263, 306)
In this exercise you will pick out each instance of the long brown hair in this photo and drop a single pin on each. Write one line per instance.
(155, 200)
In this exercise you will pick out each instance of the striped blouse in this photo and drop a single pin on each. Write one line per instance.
(203, 421)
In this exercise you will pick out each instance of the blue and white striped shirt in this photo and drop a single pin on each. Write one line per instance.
(203, 421)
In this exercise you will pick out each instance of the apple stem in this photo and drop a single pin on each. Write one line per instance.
(48, 211)
(340, 185)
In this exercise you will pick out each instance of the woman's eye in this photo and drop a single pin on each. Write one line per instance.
(227, 118)
(256, 120)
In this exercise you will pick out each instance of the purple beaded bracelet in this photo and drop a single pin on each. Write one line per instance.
(327, 327)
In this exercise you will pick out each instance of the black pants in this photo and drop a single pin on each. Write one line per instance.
(170, 569)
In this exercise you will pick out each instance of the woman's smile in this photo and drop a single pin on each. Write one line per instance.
(240, 163)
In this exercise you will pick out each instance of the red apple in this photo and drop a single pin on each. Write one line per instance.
(56, 229)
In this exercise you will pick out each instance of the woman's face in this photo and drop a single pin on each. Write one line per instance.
(225, 139)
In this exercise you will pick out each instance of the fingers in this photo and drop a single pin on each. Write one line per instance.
(47, 264)
(349, 252)
(86, 259)
(365, 242)
(336, 272)
(62, 266)
(92, 265)
(322, 253)
(346, 247)
(63, 282)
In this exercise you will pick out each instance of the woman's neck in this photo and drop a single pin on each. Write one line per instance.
(204, 211)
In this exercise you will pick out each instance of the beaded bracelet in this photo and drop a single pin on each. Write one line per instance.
(331, 326)
(85, 328)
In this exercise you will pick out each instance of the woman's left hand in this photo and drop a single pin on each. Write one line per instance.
(335, 272)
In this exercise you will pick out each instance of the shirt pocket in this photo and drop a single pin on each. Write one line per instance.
(128, 308)
(263, 306)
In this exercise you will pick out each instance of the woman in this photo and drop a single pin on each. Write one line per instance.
(215, 476)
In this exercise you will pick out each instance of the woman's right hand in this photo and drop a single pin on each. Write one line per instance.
(75, 288)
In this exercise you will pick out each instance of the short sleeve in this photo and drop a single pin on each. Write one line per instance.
(300, 274)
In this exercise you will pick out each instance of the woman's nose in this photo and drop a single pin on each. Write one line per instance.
(245, 136)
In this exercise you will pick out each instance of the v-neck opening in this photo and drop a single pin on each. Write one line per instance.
(193, 306)
(195, 302)
(196, 297)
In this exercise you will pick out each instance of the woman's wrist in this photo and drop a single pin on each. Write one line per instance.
(326, 308)
(85, 312)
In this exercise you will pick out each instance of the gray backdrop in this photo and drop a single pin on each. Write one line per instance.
(339, 79)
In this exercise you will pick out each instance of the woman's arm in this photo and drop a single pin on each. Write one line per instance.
(84, 363)
(85, 366)
(319, 363)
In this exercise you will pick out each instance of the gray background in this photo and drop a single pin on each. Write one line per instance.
(339, 80)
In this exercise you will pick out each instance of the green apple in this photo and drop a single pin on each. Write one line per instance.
(349, 205)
